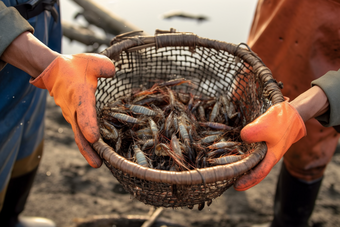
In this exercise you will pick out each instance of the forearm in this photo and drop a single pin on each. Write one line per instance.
(311, 103)
(29, 54)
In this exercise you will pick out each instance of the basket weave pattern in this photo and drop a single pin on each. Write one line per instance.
(213, 67)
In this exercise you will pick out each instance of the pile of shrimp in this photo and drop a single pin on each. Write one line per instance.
(165, 129)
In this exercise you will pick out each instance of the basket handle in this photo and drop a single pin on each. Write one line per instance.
(197, 176)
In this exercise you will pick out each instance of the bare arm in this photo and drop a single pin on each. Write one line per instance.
(311, 103)
(29, 54)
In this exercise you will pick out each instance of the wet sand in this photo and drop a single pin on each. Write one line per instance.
(66, 187)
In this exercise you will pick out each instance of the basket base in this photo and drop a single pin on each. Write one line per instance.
(166, 195)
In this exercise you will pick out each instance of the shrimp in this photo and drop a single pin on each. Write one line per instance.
(238, 115)
(148, 143)
(114, 103)
(195, 106)
(129, 153)
(143, 132)
(174, 82)
(154, 130)
(174, 143)
(201, 113)
(125, 118)
(190, 134)
(192, 118)
(216, 125)
(111, 122)
(119, 142)
(150, 91)
(214, 111)
(185, 136)
(140, 157)
(193, 133)
(222, 140)
(223, 145)
(198, 147)
(209, 139)
(184, 98)
(199, 157)
(230, 110)
(174, 130)
(191, 102)
(218, 152)
(158, 111)
(180, 106)
(168, 124)
(171, 100)
(238, 149)
(106, 134)
(226, 118)
(162, 149)
(175, 122)
(186, 118)
(183, 130)
(116, 109)
(209, 103)
(111, 128)
(225, 160)
(209, 133)
(141, 110)
(224, 102)
(158, 98)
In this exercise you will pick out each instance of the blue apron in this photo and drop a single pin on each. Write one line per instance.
(22, 106)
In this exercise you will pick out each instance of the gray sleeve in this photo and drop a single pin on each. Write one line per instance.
(12, 24)
(330, 84)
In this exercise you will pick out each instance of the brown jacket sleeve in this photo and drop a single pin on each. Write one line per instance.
(12, 24)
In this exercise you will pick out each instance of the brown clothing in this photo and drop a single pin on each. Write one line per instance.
(300, 42)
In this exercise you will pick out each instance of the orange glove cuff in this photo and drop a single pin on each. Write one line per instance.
(280, 126)
(72, 81)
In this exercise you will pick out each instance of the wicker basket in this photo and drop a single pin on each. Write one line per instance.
(214, 67)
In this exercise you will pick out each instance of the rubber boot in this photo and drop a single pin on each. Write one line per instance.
(16, 196)
(294, 200)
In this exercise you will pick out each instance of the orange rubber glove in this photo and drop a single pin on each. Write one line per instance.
(72, 81)
(280, 126)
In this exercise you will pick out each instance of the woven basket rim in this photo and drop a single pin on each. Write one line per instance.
(172, 39)
(197, 176)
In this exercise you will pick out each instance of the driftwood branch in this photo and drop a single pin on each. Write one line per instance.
(102, 18)
(83, 35)
(153, 217)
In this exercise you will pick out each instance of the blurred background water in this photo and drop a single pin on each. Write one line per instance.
(228, 20)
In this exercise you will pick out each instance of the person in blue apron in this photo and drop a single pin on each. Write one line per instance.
(31, 65)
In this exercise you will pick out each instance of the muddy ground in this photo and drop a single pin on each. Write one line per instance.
(66, 187)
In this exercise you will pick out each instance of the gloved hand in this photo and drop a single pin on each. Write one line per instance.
(72, 81)
(280, 126)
